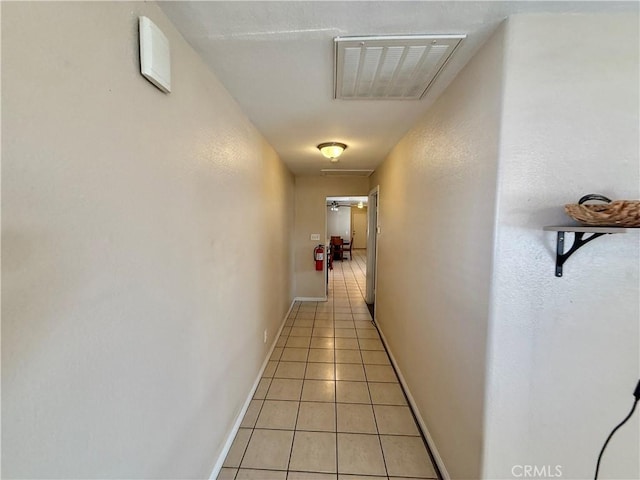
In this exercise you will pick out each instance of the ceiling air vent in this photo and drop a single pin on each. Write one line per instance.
(340, 172)
(390, 68)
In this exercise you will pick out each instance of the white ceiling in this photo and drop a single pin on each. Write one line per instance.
(348, 200)
(276, 60)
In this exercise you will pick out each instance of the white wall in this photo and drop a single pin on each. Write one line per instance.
(564, 355)
(436, 214)
(339, 223)
(145, 246)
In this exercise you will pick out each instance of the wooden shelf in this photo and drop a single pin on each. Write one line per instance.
(584, 229)
(578, 240)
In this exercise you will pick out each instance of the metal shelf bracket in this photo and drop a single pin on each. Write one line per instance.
(578, 241)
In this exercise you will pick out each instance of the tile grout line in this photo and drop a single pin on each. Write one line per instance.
(375, 420)
(373, 411)
(404, 435)
(369, 393)
(253, 428)
(295, 425)
(335, 378)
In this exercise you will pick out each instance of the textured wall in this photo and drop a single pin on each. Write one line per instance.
(436, 215)
(310, 217)
(145, 246)
(564, 356)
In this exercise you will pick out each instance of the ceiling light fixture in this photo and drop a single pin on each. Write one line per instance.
(332, 150)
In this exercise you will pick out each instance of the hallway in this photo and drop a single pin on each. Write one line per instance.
(329, 404)
(159, 226)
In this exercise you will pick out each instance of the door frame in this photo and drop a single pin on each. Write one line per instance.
(373, 230)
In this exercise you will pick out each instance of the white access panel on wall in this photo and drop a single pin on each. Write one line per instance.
(155, 57)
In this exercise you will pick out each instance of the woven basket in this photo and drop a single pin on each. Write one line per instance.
(621, 213)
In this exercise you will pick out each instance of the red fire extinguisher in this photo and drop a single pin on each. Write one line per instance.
(318, 256)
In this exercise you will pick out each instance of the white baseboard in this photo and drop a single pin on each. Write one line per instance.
(414, 407)
(310, 299)
(236, 425)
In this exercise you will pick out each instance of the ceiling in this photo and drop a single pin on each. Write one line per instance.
(276, 60)
(348, 200)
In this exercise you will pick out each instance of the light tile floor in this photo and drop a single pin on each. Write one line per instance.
(329, 405)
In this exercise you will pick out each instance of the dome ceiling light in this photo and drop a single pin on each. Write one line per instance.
(332, 150)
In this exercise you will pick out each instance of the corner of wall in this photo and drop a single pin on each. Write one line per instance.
(443, 166)
(564, 111)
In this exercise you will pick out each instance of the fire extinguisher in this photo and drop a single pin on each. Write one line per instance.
(318, 256)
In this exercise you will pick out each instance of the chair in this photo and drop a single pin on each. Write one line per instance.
(346, 248)
(336, 246)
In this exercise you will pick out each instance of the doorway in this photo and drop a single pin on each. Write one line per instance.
(346, 219)
(372, 250)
